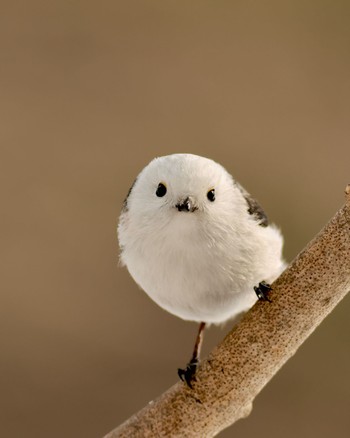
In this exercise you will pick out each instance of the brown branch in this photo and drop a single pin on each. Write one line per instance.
(250, 355)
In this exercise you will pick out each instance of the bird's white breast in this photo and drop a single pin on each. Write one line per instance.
(200, 270)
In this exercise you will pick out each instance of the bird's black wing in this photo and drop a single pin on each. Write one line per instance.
(254, 208)
(125, 203)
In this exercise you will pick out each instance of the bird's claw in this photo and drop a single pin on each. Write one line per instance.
(262, 291)
(188, 374)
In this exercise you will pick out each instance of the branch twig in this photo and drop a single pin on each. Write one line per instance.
(250, 355)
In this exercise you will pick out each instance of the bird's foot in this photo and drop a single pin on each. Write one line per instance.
(262, 291)
(188, 374)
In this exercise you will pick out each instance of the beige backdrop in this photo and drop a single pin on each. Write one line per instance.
(89, 93)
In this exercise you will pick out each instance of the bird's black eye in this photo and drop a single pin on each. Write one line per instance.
(211, 195)
(161, 190)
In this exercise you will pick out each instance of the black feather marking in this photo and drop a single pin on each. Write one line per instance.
(254, 208)
(125, 203)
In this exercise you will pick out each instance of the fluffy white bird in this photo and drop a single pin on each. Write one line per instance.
(197, 243)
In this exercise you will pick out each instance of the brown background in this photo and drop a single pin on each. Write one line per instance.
(89, 93)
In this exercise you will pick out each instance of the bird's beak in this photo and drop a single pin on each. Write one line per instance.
(186, 205)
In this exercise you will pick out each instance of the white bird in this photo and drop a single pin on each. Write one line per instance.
(197, 243)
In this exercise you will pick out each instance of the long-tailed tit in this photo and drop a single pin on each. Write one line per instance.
(197, 243)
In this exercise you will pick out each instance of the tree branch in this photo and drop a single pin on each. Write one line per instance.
(250, 355)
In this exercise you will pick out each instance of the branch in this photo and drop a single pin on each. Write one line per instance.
(268, 335)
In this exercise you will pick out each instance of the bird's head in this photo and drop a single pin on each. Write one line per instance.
(180, 189)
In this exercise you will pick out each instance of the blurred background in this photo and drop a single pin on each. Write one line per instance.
(90, 92)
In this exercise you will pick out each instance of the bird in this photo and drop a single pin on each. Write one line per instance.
(197, 243)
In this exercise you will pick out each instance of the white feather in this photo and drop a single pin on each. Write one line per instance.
(200, 265)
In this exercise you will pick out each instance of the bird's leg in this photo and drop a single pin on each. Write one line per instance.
(188, 374)
(262, 291)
